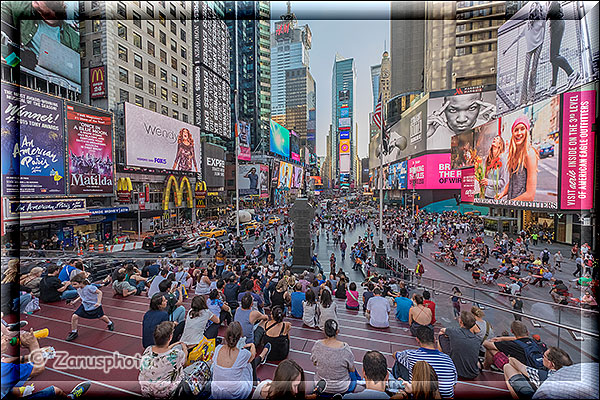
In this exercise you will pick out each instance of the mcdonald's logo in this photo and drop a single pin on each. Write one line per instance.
(178, 190)
(200, 190)
(124, 189)
(98, 82)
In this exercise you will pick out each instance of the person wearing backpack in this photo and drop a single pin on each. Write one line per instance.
(520, 346)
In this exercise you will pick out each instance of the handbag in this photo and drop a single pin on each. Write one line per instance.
(195, 382)
(33, 305)
(203, 351)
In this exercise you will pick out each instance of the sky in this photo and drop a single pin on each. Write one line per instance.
(352, 29)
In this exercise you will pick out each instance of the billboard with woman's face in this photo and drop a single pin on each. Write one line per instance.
(516, 158)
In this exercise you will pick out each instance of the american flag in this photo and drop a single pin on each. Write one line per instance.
(377, 117)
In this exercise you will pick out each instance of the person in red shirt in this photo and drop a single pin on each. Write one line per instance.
(429, 304)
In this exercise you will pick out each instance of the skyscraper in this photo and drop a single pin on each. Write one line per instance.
(342, 118)
(375, 74)
(250, 69)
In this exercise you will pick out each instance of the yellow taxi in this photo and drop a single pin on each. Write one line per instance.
(274, 220)
(251, 226)
(213, 232)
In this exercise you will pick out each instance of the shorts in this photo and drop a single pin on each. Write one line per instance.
(521, 386)
(96, 313)
(500, 359)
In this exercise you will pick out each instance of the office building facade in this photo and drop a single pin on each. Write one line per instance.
(343, 82)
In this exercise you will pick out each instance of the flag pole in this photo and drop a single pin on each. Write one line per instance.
(237, 184)
(380, 251)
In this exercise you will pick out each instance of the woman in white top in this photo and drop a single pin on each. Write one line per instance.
(309, 309)
(287, 383)
(326, 309)
(196, 320)
(234, 368)
(203, 285)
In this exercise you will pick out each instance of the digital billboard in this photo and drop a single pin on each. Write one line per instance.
(577, 159)
(344, 122)
(344, 134)
(285, 175)
(264, 181)
(546, 48)
(344, 146)
(433, 171)
(42, 39)
(33, 143)
(407, 136)
(516, 164)
(90, 150)
(249, 179)
(461, 151)
(213, 165)
(344, 112)
(297, 177)
(154, 140)
(244, 153)
(280, 140)
(396, 175)
(467, 185)
(294, 146)
(457, 111)
(344, 163)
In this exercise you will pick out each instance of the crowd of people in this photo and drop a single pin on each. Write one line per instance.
(247, 305)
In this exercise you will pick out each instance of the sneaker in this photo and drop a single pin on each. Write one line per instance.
(16, 326)
(79, 390)
(72, 336)
(320, 386)
(69, 301)
(111, 326)
(268, 347)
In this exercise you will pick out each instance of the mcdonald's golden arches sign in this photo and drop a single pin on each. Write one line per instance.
(98, 82)
(178, 190)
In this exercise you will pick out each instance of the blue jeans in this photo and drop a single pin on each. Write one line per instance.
(21, 302)
(139, 286)
(268, 291)
(178, 314)
(69, 294)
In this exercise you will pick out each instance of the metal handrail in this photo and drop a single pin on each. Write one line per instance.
(469, 286)
(545, 321)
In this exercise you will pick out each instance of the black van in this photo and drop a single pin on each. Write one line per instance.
(162, 242)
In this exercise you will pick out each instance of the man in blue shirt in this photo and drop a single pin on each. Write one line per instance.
(297, 298)
(403, 305)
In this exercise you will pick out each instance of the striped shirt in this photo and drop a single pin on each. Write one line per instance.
(440, 362)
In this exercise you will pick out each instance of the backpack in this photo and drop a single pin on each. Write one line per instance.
(534, 353)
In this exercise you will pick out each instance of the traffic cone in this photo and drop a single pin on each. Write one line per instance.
(80, 251)
(91, 248)
(100, 248)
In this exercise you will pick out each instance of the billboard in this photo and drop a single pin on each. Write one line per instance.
(264, 181)
(345, 134)
(344, 122)
(344, 112)
(33, 147)
(344, 146)
(297, 177)
(294, 146)
(433, 171)
(244, 141)
(90, 146)
(577, 147)
(42, 39)
(154, 140)
(344, 163)
(407, 136)
(516, 163)
(396, 175)
(546, 48)
(285, 175)
(249, 179)
(98, 82)
(275, 172)
(467, 186)
(462, 150)
(457, 111)
(280, 140)
(213, 165)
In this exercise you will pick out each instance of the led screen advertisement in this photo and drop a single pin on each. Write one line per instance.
(577, 147)
(33, 147)
(294, 146)
(90, 150)
(467, 187)
(462, 150)
(433, 171)
(42, 39)
(546, 48)
(516, 159)
(407, 136)
(297, 177)
(249, 179)
(213, 165)
(285, 175)
(157, 141)
(264, 181)
(396, 175)
(244, 153)
(280, 140)
(456, 112)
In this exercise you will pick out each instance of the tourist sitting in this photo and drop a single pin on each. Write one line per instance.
(427, 351)
(352, 298)
(482, 329)
(153, 317)
(174, 295)
(135, 278)
(196, 323)
(280, 296)
(234, 365)
(462, 345)
(288, 383)
(162, 364)
(123, 287)
(155, 281)
(218, 307)
(341, 289)
(430, 304)
(560, 292)
(522, 381)
(498, 349)
(378, 309)
(367, 294)
(247, 317)
(334, 361)
(52, 289)
(276, 332)
(588, 302)
(309, 309)
(425, 383)
(375, 374)
(403, 305)
(419, 315)
(326, 309)
(296, 299)
(32, 280)
(577, 381)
